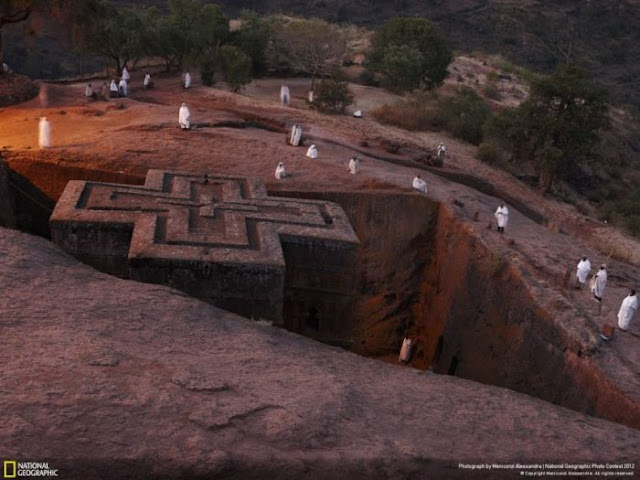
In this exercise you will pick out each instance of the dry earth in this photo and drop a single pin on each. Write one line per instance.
(138, 133)
(114, 379)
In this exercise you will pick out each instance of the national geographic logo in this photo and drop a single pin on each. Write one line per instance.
(15, 469)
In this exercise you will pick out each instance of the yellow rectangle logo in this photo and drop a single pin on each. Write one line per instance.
(10, 469)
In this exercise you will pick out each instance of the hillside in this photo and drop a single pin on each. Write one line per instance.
(601, 36)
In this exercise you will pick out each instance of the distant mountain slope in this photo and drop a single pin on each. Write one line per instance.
(602, 36)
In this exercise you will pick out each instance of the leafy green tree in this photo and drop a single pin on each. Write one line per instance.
(426, 46)
(332, 96)
(253, 38)
(400, 67)
(236, 66)
(118, 35)
(558, 127)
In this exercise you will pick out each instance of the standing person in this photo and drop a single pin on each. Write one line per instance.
(123, 88)
(113, 90)
(599, 284)
(583, 271)
(354, 165)
(146, 83)
(44, 133)
(187, 80)
(125, 74)
(184, 117)
(627, 310)
(105, 91)
(442, 150)
(285, 95)
(502, 216)
(419, 184)
(296, 135)
(405, 351)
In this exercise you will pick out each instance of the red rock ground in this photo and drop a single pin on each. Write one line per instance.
(113, 379)
(137, 133)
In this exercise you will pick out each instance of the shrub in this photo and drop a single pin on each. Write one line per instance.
(488, 152)
(465, 114)
(429, 58)
(332, 96)
(236, 66)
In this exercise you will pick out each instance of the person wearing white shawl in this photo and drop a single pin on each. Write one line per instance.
(419, 184)
(296, 135)
(280, 173)
(285, 95)
(44, 133)
(583, 271)
(89, 93)
(187, 80)
(312, 152)
(442, 150)
(113, 89)
(627, 310)
(599, 282)
(405, 351)
(184, 117)
(123, 87)
(146, 83)
(125, 74)
(502, 216)
(354, 165)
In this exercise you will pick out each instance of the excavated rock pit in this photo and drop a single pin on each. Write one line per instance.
(471, 310)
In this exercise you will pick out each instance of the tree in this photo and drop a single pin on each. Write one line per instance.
(332, 96)
(558, 127)
(118, 34)
(236, 66)
(311, 47)
(252, 38)
(79, 13)
(423, 42)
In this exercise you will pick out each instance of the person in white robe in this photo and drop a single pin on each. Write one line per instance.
(583, 271)
(280, 173)
(599, 283)
(627, 310)
(357, 114)
(89, 93)
(442, 150)
(405, 351)
(187, 80)
(146, 83)
(310, 96)
(419, 184)
(184, 117)
(296, 135)
(354, 165)
(125, 74)
(285, 95)
(502, 216)
(44, 133)
(123, 88)
(312, 152)
(113, 90)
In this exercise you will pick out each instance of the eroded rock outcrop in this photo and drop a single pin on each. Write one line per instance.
(108, 378)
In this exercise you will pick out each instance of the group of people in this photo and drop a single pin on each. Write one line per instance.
(597, 286)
